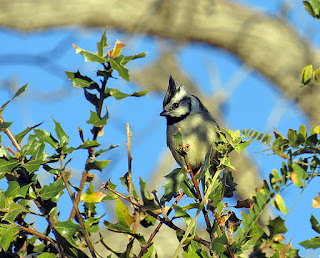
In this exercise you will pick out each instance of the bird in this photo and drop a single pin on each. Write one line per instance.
(185, 113)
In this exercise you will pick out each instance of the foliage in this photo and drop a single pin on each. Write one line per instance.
(36, 151)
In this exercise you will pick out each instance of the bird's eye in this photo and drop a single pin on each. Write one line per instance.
(175, 105)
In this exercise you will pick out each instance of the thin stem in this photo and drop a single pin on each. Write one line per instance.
(169, 223)
(145, 247)
(37, 234)
(77, 212)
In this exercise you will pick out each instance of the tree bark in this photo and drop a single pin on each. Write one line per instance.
(268, 44)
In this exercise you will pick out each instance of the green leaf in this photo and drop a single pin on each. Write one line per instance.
(44, 136)
(313, 8)
(118, 95)
(8, 234)
(279, 204)
(218, 244)
(52, 190)
(70, 248)
(315, 224)
(123, 215)
(98, 165)
(38, 157)
(17, 94)
(21, 135)
(80, 81)
(240, 147)
(172, 184)
(62, 136)
(148, 199)
(276, 226)
(181, 213)
(46, 255)
(298, 175)
(116, 64)
(15, 190)
(102, 44)
(88, 56)
(99, 152)
(312, 243)
(67, 228)
(88, 144)
(123, 229)
(4, 126)
(306, 75)
(126, 59)
(9, 210)
(96, 120)
(6, 165)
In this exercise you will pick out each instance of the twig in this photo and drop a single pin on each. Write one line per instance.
(129, 178)
(145, 247)
(169, 223)
(11, 136)
(193, 221)
(37, 234)
(77, 212)
(196, 185)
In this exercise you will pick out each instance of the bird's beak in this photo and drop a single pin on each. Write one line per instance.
(164, 113)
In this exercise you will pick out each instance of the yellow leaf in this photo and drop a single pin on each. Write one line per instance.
(317, 129)
(282, 252)
(316, 202)
(95, 197)
(116, 50)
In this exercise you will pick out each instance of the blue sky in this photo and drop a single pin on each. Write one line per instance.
(253, 103)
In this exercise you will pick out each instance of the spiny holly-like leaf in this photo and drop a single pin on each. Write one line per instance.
(50, 191)
(123, 215)
(21, 135)
(94, 197)
(99, 152)
(102, 44)
(17, 94)
(172, 184)
(44, 136)
(88, 56)
(118, 95)
(46, 255)
(15, 190)
(276, 226)
(4, 126)
(96, 120)
(312, 243)
(113, 53)
(81, 81)
(69, 246)
(9, 210)
(89, 144)
(6, 165)
(126, 59)
(98, 165)
(123, 229)
(8, 234)
(62, 136)
(119, 67)
(182, 213)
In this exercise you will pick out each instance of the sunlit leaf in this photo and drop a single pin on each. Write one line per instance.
(15, 190)
(81, 81)
(306, 75)
(21, 135)
(94, 197)
(63, 137)
(119, 67)
(316, 201)
(279, 204)
(89, 144)
(102, 44)
(312, 243)
(17, 94)
(98, 165)
(123, 215)
(50, 191)
(88, 56)
(315, 224)
(116, 49)
(96, 120)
